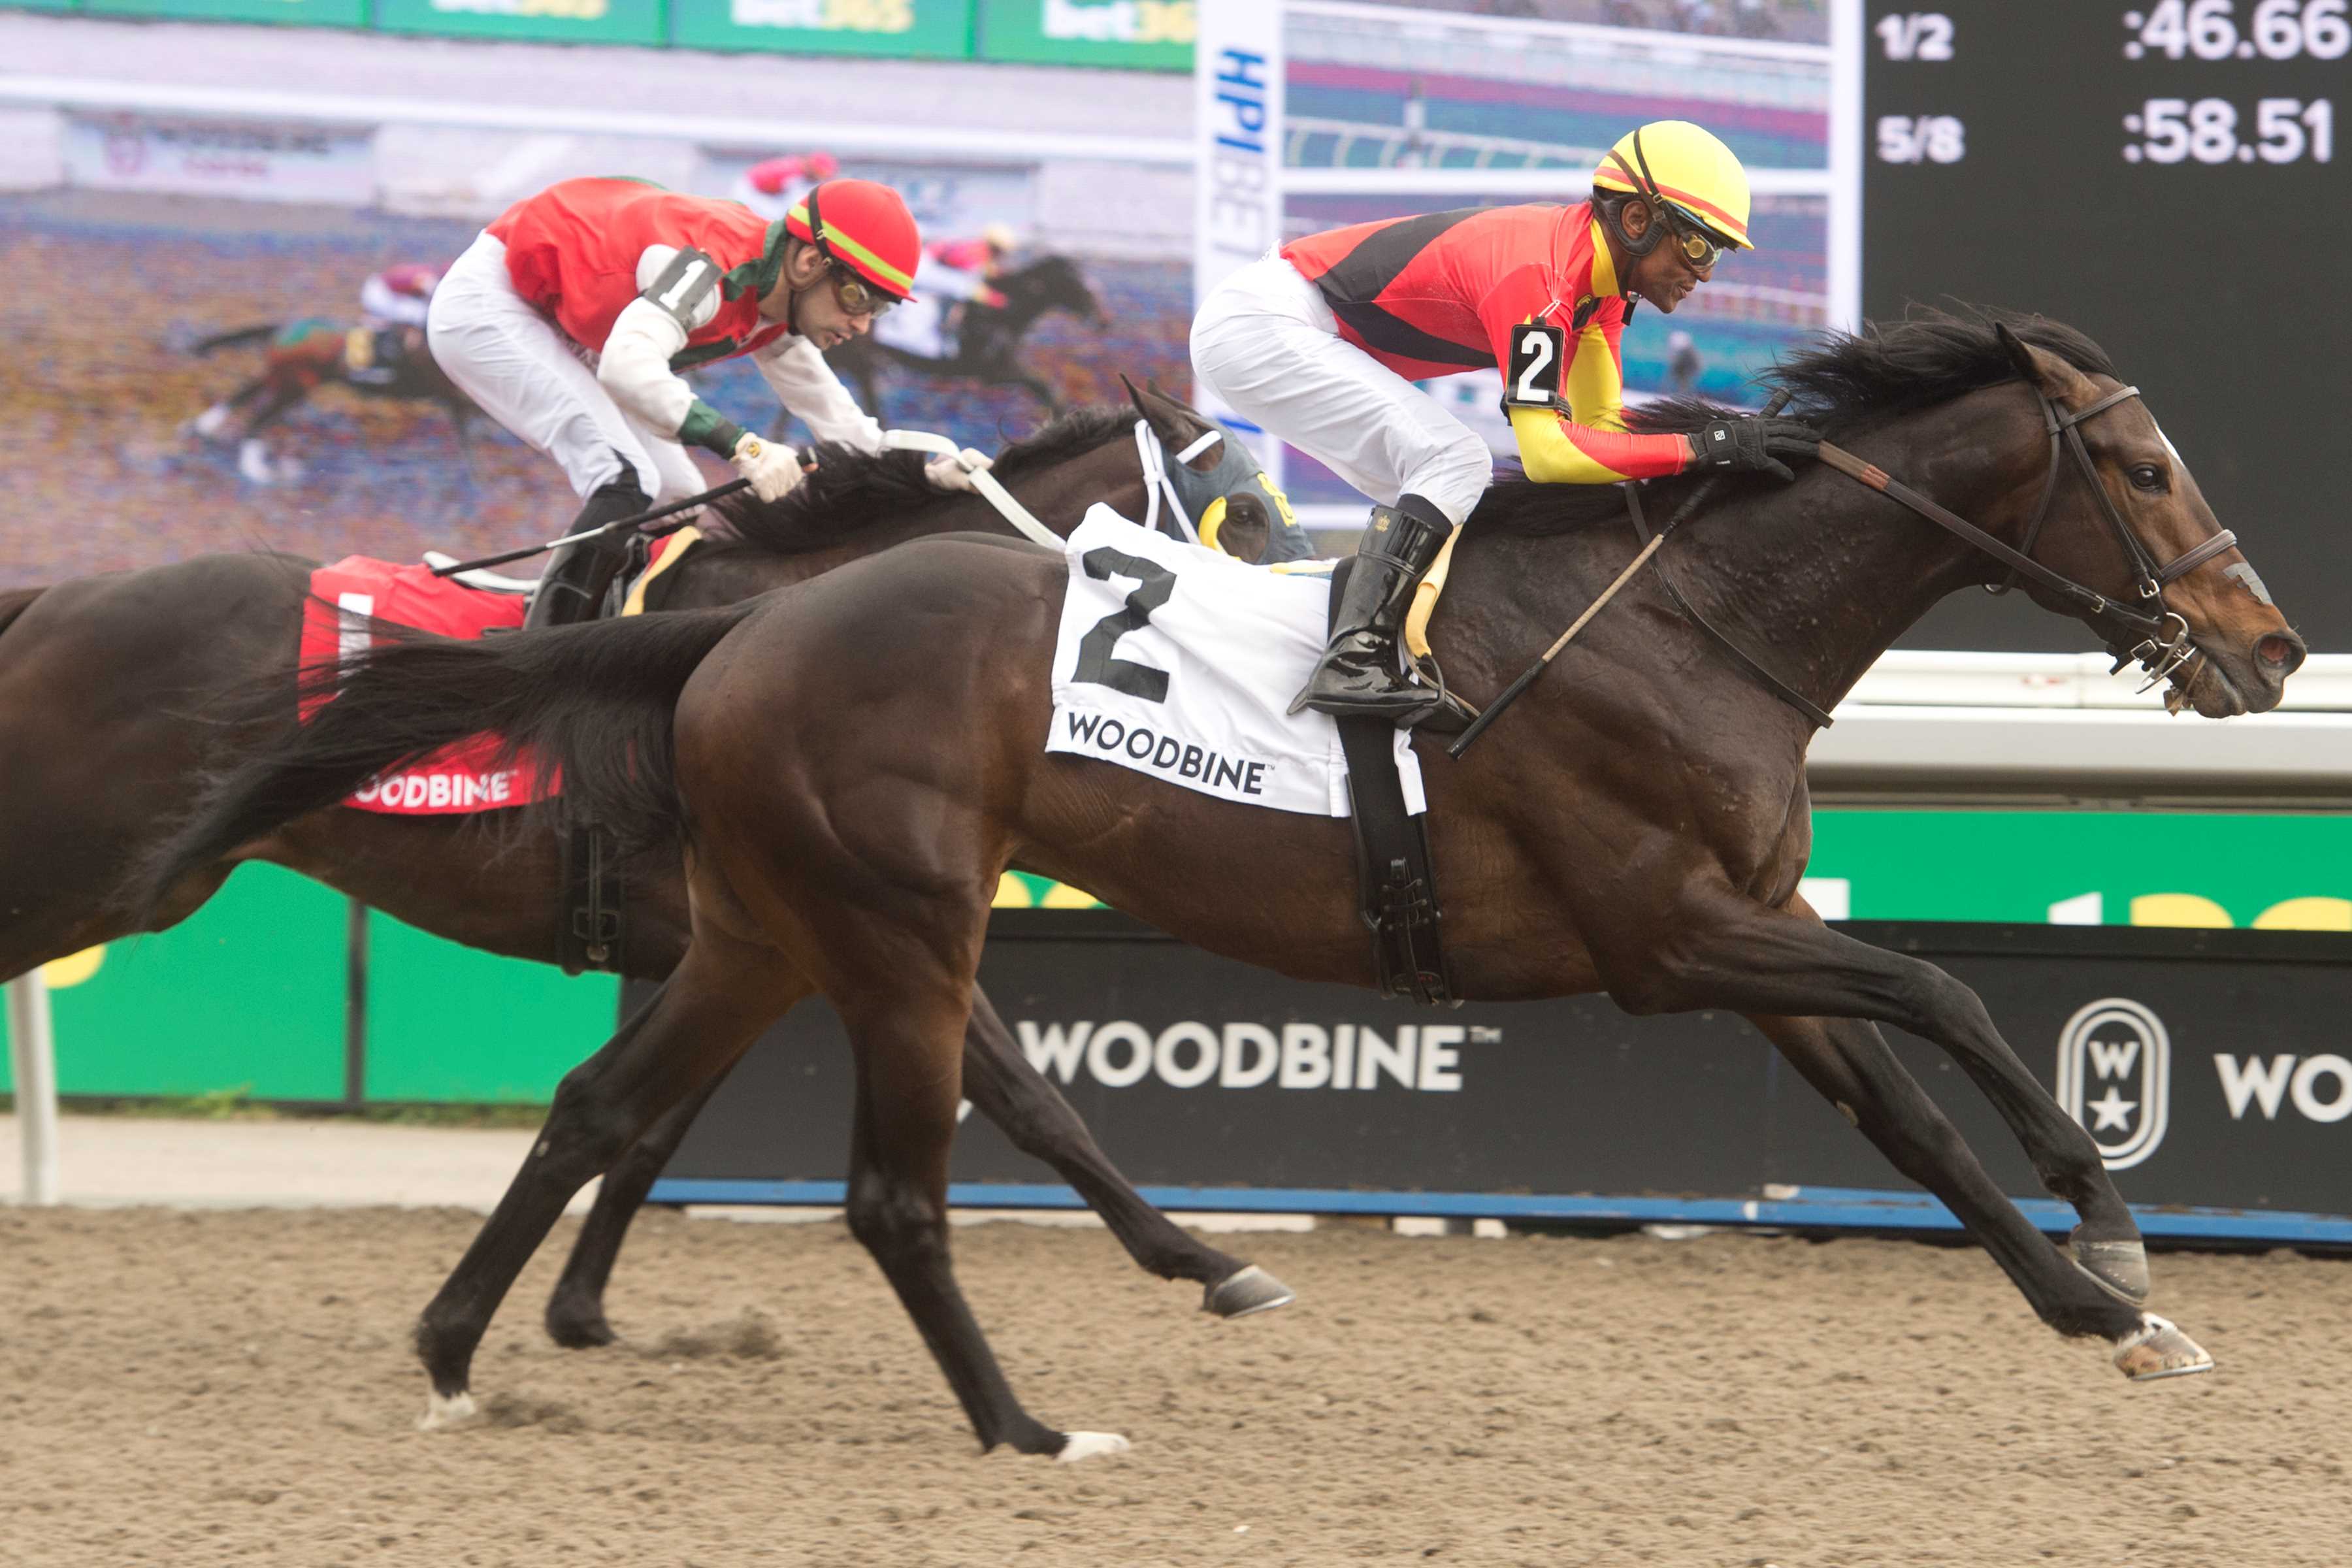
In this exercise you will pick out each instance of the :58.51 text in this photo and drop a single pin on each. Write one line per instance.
(2174, 130)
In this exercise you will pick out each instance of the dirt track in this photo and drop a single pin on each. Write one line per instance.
(235, 1387)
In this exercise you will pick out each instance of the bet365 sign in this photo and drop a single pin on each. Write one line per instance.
(1146, 35)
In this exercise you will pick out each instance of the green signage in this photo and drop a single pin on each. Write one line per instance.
(302, 13)
(1146, 35)
(2091, 867)
(931, 29)
(245, 994)
(39, 5)
(550, 21)
(447, 1023)
(2070, 868)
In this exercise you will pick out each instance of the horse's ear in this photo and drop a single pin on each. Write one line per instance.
(2019, 353)
(1134, 395)
(2040, 367)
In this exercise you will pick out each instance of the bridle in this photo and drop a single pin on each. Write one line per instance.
(2157, 654)
(2164, 646)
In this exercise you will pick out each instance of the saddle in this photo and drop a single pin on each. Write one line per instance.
(1396, 885)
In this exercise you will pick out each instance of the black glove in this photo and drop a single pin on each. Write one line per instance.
(1755, 444)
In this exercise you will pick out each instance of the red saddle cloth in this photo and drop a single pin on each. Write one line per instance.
(458, 779)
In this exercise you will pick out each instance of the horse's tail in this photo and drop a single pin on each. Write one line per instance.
(592, 703)
(231, 339)
(15, 602)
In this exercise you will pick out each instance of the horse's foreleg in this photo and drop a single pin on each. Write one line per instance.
(252, 460)
(1006, 1088)
(908, 1048)
(1850, 1063)
(575, 1309)
(702, 1019)
(1732, 953)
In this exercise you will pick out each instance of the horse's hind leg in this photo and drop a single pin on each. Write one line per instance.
(1005, 1089)
(575, 1309)
(1848, 1061)
(1008, 1091)
(213, 423)
(908, 1050)
(720, 997)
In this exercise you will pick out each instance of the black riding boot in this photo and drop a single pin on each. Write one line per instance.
(1358, 678)
(573, 586)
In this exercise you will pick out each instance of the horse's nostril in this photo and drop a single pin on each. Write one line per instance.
(2279, 652)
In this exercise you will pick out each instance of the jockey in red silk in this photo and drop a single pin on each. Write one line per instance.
(570, 318)
(1320, 342)
(773, 187)
(399, 294)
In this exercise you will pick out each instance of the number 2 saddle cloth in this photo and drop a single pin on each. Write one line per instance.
(1179, 662)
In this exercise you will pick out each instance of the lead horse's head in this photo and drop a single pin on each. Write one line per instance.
(2119, 514)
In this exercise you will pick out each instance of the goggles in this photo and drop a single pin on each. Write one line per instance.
(1697, 248)
(859, 297)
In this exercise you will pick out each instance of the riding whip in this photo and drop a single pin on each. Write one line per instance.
(1779, 400)
(654, 514)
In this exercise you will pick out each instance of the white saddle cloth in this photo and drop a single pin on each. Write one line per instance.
(1179, 662)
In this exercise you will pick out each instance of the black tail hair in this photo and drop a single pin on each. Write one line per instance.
(593, 702)
(232, 338)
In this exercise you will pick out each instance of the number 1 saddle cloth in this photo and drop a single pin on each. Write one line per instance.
(1179, 662)
(455, 781)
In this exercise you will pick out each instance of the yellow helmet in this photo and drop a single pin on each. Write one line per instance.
(1686, 167)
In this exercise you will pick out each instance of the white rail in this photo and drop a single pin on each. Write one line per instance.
(249, 104)
(33, 1057)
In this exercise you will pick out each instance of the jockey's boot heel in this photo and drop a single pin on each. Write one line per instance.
(1360, 677)
(573, 587)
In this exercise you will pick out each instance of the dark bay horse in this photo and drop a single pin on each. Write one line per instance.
(851, 765)
(304, 355)
(106, 689)
(988, 344)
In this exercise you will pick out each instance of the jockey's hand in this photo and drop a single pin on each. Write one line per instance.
(994, 299)
(773, 467)
(955, 473)
(1753, 444)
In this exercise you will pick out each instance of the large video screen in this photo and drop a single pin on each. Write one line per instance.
(2161, 175)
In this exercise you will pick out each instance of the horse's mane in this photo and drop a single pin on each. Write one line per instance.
(852, 490)
(1845, 381)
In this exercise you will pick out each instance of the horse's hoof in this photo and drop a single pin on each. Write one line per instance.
(2157, 1349)
(1253, 1290)
(2119, 1268)
(444, 1411)
(581, 1328)
(1079, 1446)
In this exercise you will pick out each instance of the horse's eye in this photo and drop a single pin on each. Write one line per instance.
(2150, 477)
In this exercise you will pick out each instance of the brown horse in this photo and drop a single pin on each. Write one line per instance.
(852, 764)
(302, 356)
(106, 684)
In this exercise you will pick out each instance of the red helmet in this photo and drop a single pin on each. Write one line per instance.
(865, 228)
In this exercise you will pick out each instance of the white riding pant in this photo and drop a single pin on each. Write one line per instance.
(521, 369)
(1266, 343)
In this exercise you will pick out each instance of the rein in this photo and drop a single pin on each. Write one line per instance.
(2158, 653)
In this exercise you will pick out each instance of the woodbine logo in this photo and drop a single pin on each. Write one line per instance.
(2115, 1077)
(1423, 1057)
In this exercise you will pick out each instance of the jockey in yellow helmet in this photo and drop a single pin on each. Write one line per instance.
(1320, 344)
